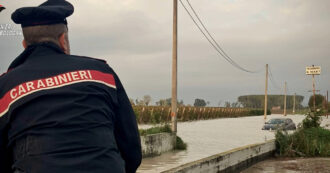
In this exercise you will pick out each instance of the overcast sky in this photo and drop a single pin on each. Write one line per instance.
(135, 37)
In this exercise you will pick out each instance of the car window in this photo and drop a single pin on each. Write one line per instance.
(275, 121)
(288, 120)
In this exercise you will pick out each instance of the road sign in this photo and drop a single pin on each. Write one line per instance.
(314, 70)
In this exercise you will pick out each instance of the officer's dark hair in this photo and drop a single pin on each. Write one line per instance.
(44, 33)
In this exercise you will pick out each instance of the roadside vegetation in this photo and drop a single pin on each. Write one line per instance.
(162, 114)
(154, 130)
(180, 144)
(310, 140)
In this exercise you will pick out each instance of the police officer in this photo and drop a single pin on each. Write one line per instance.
(61, 113)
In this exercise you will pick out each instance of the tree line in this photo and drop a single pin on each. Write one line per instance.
(245, 101)
(257, 101)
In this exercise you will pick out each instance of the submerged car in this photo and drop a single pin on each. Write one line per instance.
(279, 123)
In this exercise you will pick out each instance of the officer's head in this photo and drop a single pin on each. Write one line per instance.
(56, 33)
(45, 23)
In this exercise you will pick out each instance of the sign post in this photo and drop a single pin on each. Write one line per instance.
(313, 70)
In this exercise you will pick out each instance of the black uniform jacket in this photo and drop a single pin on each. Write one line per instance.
(65, 114)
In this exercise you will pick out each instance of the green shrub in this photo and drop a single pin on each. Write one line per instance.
(313, 142)
(180, 145)
(312, 119)
(283, 143)
(309, 140)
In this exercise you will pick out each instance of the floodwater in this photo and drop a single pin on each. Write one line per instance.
(210, 137)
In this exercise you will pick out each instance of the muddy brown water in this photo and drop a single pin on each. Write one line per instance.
(210, 137)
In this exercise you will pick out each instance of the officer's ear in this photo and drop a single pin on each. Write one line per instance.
(24, 44)
(64, 43)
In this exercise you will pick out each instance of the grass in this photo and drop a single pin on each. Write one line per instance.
(255, 112)
(154, 130)
(310, 140)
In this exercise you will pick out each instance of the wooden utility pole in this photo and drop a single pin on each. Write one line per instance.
(266, 91)
(294, 104)
(174, 66)
(314, 100)
(284, 99)
(327, 103)
(314, 70)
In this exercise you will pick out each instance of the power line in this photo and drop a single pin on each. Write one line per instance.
(271, 78)
(207, 31)
(215, 45)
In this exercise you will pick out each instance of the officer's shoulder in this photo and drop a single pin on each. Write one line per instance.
(90, 59)
(3, 74)
(93, 61)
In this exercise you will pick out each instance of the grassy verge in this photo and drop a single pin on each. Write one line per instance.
(256, 112)
(155, 130)
(310, 140)
(180, 144)
(302, 111)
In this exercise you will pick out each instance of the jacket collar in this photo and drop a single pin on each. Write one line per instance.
(32, 49)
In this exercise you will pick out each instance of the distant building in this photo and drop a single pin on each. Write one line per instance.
(275, 108)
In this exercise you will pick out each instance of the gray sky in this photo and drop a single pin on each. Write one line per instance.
(135, 37)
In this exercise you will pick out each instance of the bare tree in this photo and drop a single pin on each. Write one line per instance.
(227, 104)
(235, 105)
(132, 101)
(219, 103)
(146, 99)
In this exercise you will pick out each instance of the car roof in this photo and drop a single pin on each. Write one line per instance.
(278, 119)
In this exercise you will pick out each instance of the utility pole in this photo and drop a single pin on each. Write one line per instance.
(174, 67)
(314, 70)
(294, 104)
(327, 103)
(314, 100)
(266, 89)
(284, 99)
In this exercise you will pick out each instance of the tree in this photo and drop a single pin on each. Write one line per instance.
(180, 103)
(164, 102)
(219, 103)
(199, 103)
(257, 101)
(132, 101)
(168, 102)
(139, 102)
(146, 99)
(227, 104)
(161, 102)
(235, 105)
(319, 99)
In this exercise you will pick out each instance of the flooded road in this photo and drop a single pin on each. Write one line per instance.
(209, 137)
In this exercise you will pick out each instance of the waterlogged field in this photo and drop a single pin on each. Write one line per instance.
(162, 114)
